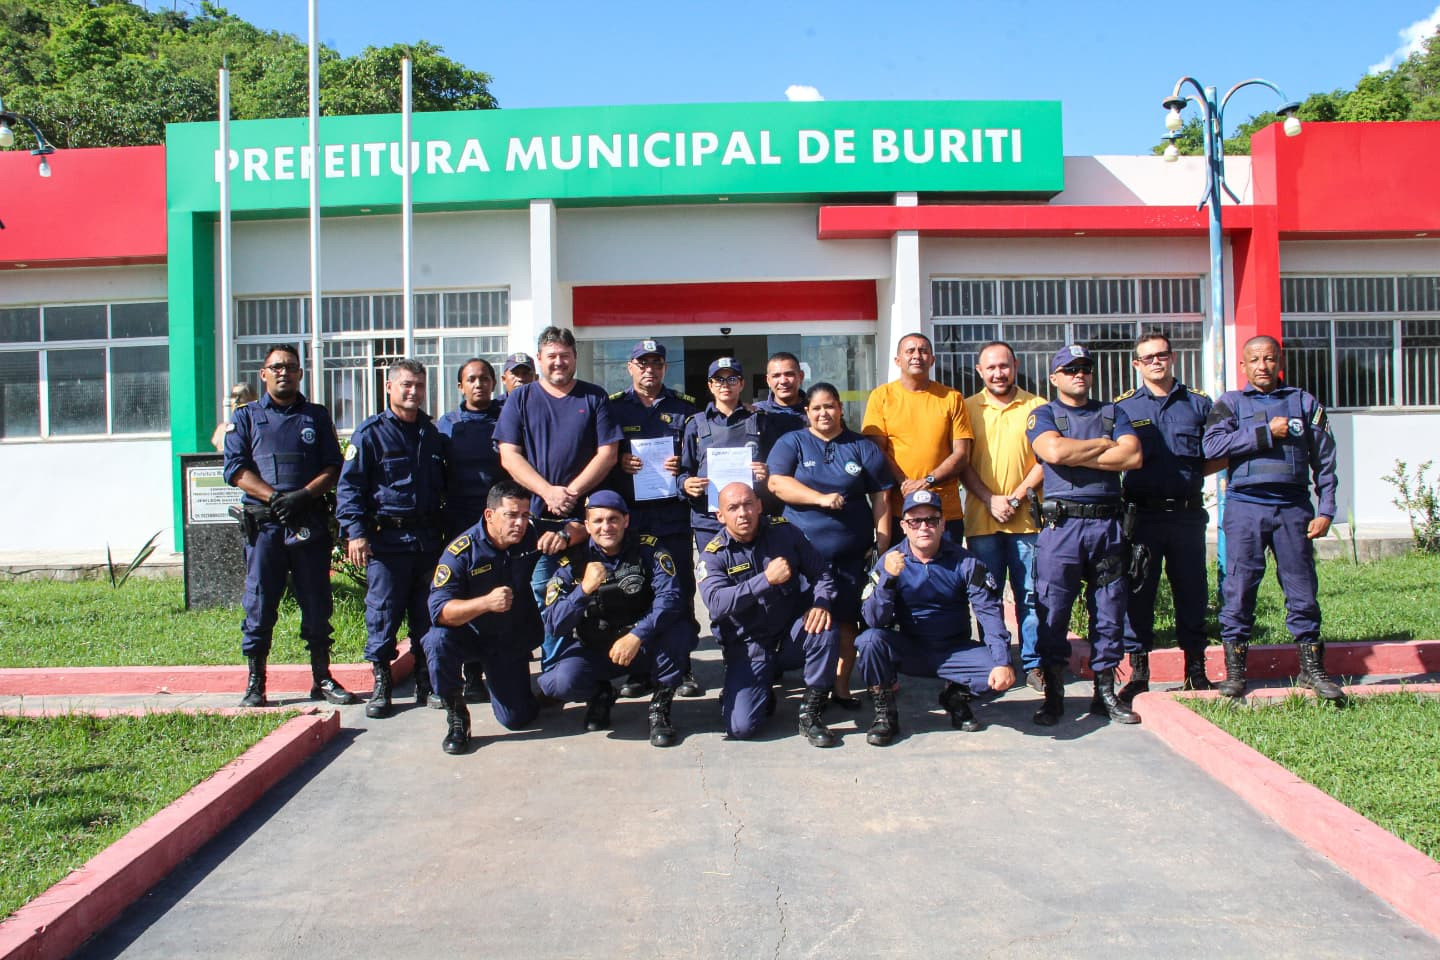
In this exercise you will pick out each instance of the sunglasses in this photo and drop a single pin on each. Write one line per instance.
(1086, 370)
(1161, 356)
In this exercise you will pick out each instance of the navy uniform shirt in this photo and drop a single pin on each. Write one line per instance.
(286, 446)
(665, 417)
(1171, 431)
(785, 418)
(557, 435)
(565, 602)
(392, 469)
(743, 605)
(471, 566)
(850, 464)
(472, 464)
(1264, 469)
(743, 428)
(1095, 419)
(927, 601)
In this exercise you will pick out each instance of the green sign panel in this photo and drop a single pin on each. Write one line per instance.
(706, 151)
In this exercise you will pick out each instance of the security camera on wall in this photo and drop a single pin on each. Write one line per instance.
(724, 331)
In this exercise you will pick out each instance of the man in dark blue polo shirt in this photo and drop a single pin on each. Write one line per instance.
(786, 403)
(556, 440)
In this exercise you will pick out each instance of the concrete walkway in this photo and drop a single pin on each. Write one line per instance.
(1094, 840)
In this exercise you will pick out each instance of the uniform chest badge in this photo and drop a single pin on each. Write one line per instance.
(807, 464)
(852, 468)
(739, 567)
(307, 435)
(1297, 426)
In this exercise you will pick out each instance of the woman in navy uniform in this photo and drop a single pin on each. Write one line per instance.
(725, 422)
(823, 474)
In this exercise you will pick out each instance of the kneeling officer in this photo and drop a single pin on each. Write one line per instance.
(915, 606)
(615, 603)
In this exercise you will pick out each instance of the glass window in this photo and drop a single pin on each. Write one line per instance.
(20, 394)
(75, 323)
(140, 389)
(139, 319)
(77, 391)
(20, 325)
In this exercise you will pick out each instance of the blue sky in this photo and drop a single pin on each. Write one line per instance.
(1110, 64)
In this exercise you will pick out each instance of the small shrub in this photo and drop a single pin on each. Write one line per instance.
(1420, 499)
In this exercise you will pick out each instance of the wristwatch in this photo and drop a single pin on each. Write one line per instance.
(929, 479)
(1014, 503)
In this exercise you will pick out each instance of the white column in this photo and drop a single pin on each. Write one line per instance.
(544, 279)
(901, 298)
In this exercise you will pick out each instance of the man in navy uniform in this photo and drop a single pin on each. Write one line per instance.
(472, 464)
(1083, 446)
(650, 410)
(769, 597)
(786, 403)
(916, 608)
(556, 440)
(725, 422)
(1277, 439)
(1169, 418)
(282, 452)
(519, 370)
(615, 602)
(482, 612)
(388, 506)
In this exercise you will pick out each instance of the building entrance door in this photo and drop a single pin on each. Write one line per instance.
(702, 351)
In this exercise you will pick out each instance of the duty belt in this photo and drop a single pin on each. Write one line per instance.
(1081, 510)
(1167, 505)
(406, 523)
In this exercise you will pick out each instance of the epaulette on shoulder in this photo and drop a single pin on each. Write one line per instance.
(617, 394)
(775, 520)
(1124, 396)
(649, 539)
(564, 560)
(1199, 393)
(714, 545)
(688, 399)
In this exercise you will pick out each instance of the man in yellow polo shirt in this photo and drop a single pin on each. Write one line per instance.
(1002, 470)
(924, 430)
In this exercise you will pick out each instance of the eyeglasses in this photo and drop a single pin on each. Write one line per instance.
(729, 381)
(915, 523)
(282, 367)
(1162, 356)
(1077, 371)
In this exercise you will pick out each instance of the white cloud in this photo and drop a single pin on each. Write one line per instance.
(801, 91)
(1414, 37)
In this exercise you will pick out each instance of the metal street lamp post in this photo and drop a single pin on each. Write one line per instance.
(8, 122)
(1212, 122)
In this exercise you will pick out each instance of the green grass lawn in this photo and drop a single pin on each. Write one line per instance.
(1380, 755)
(72, 785)
(145, 623)
(1393, 598)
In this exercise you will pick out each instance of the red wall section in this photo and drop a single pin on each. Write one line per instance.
(98, 208)
(725, 302)
(1360, 180)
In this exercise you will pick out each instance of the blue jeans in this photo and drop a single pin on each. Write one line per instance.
(1014, 554)
(545, 568)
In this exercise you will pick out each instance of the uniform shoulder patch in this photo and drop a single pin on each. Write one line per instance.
(1125, 396)
(649, 540)
(552, 591)
(459, 545)
(714, 545)
(1030, 424)
(351, 452)
(230, 427)
(775, 520)
(442, 576)
(667, 563)
(617, 394)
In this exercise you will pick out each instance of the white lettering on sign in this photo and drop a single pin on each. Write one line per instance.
(653, 149)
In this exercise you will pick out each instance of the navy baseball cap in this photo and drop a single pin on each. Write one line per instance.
(518, 360)
(607, 500)
(1073, 354)
(725, 363)
(920, 498)
(647, 348)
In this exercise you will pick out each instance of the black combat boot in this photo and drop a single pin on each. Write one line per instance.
(475, 689)
(1139, 677)
(812, 722)
(689, 686)
(457, 716)
(662, 731)
(1195, 677)
(255, 684)
(955, 700)
(1052, 676)
(1106, 702)
(1312, 674)
(1234, 683)
(378, 706)
(425, 695)
(597, 708)
(637, 685)
(886, 726)
(324, 686)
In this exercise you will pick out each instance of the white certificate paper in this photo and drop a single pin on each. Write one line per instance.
(724, 466)
(653, 482)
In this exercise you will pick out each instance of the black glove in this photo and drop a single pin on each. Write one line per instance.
(292, 506)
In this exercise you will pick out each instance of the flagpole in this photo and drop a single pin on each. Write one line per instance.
(317, 384)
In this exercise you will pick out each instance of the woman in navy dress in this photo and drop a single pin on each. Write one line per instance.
(833, 482)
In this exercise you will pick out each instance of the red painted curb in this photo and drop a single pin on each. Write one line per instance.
(1275, 661)
(1392, 869)
(62, 918)
(290, 678)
